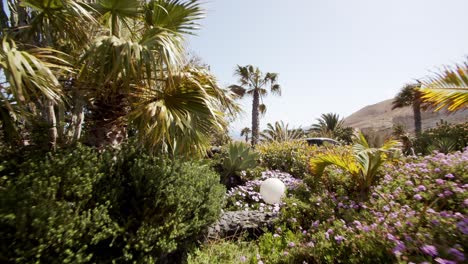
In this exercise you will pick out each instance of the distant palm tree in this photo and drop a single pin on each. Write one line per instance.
(327, 124)
(280, 133)
(245, 132)
(448, 89)
(410, 96)
(253, 82)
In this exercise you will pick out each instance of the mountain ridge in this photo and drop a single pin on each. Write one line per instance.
(381, 117)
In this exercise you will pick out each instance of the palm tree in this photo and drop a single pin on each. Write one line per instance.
(328, 122)
(245, 132)
(280, 133)
(410, 96)
(127, 71)
(253, 82)
(448, 89)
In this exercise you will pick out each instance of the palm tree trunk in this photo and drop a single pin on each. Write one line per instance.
(417, 117)
(3, 16)
(255, 117)
(107, 122)
(52, 123)
(74, 132)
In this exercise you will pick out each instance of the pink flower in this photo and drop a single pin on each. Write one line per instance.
(417, 197)
(449, 176)
(429, 250)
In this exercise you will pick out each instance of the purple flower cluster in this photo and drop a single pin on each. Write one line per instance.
(416, 204)
(247, 197)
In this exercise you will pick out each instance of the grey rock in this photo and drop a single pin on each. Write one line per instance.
(235, 223)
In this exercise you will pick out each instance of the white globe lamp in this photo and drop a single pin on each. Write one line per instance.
(272, 190)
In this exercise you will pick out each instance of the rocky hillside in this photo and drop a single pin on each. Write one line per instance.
(381, 117)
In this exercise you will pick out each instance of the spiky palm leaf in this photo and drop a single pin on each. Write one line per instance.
(363, 163)
(448, 89)
(327, 125)
(58, 23)
(280, 133)
(31, 74)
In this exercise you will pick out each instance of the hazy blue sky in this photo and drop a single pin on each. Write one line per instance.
(331, 55)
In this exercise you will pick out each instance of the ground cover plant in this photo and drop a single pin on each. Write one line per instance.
(416, 213)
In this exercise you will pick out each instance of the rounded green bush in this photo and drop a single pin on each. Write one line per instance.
(80, 206)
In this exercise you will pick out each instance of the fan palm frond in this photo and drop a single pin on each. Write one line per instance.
(182, 113)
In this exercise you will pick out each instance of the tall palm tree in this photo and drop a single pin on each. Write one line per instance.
(253, 82)
(245, 132)
(410, 96)
(280, 133)
(448, 89)
(127, 70)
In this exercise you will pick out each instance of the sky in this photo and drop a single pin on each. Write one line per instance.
(331, 55)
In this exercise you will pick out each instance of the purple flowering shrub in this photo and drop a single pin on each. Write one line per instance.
(416, 213)
(248, 197)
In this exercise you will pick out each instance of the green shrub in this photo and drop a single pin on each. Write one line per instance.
(80, 206)
(444, 138)
(163, 204)
(291, 157)
(224, 252)
(47, 212)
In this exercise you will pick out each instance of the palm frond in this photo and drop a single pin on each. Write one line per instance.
(279, 132)
(238, 90)
(448, 89)
(59, 23)
(345, 162)
(174, 15)
(30, 74)
(180, 114)
(262, 109)
(405, 96)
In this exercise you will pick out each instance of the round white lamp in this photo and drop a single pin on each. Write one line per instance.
(272, 190)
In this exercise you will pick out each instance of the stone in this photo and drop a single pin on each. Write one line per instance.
(234, 223)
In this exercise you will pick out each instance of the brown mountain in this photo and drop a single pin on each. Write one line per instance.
(381, 117)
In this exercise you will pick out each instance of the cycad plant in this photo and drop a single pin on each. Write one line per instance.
(280, 133)
(362, 163)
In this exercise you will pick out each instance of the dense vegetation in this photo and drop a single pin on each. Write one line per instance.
(80, 206)
(114, 149)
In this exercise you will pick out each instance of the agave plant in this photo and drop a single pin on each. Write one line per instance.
(239, 157)
(363, 163)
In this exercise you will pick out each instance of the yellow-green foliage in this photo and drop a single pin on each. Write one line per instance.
(224, 252)
(362, 163)
(291, 156)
